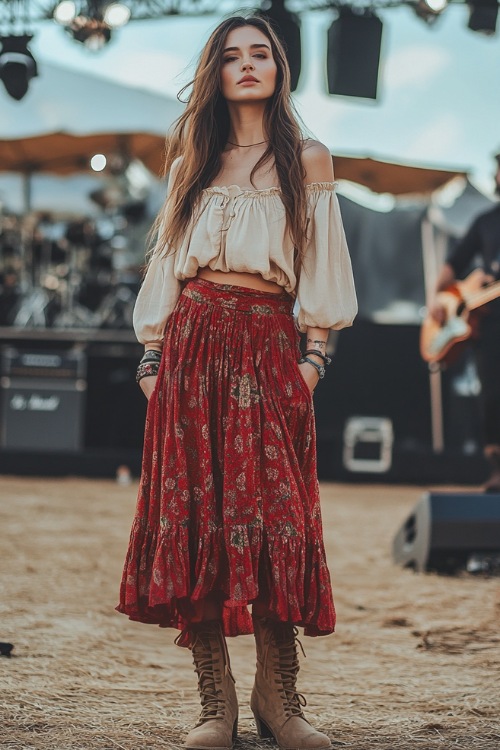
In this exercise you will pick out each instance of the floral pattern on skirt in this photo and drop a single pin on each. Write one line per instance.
(228, 501)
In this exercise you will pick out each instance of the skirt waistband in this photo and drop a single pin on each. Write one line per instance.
(241, 298)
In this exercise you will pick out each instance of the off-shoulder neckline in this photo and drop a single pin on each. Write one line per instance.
(237, 190)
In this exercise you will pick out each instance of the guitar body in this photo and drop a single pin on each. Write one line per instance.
(441, 343)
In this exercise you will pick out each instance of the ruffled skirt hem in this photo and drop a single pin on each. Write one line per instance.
(284, 574)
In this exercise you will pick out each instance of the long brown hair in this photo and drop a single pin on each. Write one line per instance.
(201, 132)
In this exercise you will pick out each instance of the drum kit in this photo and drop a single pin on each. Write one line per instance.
(69, 273)
(67, 269)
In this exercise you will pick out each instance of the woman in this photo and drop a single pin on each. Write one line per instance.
(228, 511)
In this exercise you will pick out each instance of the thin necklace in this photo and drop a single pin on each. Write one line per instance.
(247, 146)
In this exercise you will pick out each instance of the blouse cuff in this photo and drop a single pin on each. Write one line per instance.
(304, 321)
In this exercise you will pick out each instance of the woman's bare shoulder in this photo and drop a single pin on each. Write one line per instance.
(317, 162)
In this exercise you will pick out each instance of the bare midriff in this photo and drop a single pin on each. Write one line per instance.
(250, 280)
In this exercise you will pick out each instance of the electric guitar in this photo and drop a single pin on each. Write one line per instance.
(460, 300)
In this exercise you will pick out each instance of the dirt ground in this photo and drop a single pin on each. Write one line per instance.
(414, 663)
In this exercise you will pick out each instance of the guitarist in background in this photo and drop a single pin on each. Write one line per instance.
(481, 246)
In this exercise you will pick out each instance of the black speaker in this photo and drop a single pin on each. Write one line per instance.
(446, 529)
(42, 399)
(483, 16)
(353, 54)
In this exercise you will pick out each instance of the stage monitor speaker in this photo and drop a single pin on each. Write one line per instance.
(446, 529)
(353, 54)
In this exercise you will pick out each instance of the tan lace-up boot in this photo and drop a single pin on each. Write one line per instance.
(275, 702)
(217, 726)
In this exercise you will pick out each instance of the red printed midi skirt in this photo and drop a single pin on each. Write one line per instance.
(228, 502)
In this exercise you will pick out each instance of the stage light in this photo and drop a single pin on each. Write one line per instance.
(430, 10)
(65, 12)
(17, 64)
(483, 16)
(437, 6)
(90, 22)
(116, 15)
(98, 162)
(91, 32)
(353, 53)
(287, 26)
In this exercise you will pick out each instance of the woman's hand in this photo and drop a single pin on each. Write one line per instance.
(148, 385)
(310, 375)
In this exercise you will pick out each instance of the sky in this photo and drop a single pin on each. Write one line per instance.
(439, 85)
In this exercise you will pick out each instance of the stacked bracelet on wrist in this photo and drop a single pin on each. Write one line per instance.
(149, 364)
(320, 368)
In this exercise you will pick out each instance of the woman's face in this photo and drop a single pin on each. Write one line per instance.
(247, 55)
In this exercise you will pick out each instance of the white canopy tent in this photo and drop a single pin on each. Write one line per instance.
(61, 99)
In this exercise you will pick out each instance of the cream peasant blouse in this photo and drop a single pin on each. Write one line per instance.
(243, 230)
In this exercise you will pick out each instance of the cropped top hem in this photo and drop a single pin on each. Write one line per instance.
(311, 187)
(244, 230)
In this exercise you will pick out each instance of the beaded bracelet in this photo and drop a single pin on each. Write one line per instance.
(145, 369)
(320, 368)
(326, 360)
(151, 355)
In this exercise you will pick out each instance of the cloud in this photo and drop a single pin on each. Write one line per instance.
(414, 66)
(441, 139)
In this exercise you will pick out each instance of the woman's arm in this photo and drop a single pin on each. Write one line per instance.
(318, 166)
(316, 339)
(148, 383)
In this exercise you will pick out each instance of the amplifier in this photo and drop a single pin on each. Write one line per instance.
(68, 364)
(42, 399)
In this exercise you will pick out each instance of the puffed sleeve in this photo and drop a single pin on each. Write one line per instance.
(156, 300)
(325, 291)
(158, 294)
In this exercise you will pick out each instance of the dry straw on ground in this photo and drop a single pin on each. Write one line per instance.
(414, 664)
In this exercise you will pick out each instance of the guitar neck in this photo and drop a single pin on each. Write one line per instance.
(482, 296)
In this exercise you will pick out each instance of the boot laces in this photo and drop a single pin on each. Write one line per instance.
(204, 646)
(287, 666)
